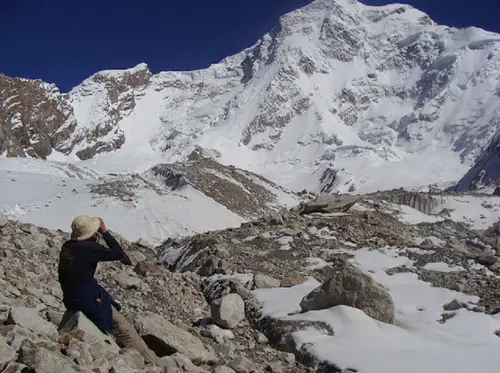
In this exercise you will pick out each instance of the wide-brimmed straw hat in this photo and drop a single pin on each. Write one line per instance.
(84, 227)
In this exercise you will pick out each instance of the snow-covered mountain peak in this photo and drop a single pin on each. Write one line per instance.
(338, 96)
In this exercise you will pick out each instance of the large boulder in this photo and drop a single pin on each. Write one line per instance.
(349, 286)
(228, 311)
(42, 360)
(328, 203)
(262, 281)
(147, 269)
(128, 282)
(91, 333)
(29, 318)
(280, 332)
(164, 338)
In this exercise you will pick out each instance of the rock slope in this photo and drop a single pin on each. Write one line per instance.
(168, 309)
(195, 300)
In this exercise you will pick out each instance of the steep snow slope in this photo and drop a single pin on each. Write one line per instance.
(340, 96)
(51, 194)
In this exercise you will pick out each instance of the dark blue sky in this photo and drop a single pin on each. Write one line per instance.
(65, 41)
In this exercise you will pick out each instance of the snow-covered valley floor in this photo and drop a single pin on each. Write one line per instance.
(417, 342)
(51, 195)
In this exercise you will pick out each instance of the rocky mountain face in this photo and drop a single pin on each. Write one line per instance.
(35, 118)
(194, 301)
(486, 171)
(335, 88)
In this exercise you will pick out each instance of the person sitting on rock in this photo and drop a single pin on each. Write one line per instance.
(77, 265)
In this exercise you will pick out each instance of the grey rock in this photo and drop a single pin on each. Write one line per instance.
(458, 287)
(243, 365)
(289, 232)
(91, 333)
(293, 280)
(29, 318)
(15, 336)
(143, 243)
(261, 338)
(183, 363)
(262, 281)
(275, 218)
(133, 358)
(168, 364)
(100, 351)
(79, 352)
(209, 267)
(479, 309)
(275, 367)
(50, 301)
(228, 311)
(128, 282)
(15, 367)
(171, 338)
(328, 203)
(136, 256)
(147, 269)
(222, 253)
(224, 369)
(427, 243)
(43, 360)
(289, 358)
(7, 354)
(487, 260)
(280, 331)
(216, 287)
(350, 287)
(495, 267)
(119, 365)
(54, 317)
(56, 291)
(453, 305)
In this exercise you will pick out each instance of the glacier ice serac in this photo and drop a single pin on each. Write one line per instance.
(339, 96)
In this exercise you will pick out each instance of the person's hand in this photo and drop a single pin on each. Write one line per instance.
(102, 227)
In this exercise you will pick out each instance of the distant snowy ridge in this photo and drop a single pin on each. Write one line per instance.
(51, 194)
(340, 96)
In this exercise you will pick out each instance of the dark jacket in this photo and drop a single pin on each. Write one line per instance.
(81, 292)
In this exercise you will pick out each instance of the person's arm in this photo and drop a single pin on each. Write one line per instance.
(95, 252)
(113, 244)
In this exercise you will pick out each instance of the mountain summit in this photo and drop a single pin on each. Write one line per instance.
(339, 96)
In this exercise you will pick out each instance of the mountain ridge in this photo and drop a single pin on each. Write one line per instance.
(338, 91)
